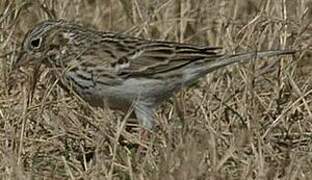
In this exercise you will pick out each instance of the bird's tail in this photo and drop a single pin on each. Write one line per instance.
(206, 66)
(243, 57)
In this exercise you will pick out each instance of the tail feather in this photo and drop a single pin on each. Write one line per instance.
(243, 57)
(201, 68)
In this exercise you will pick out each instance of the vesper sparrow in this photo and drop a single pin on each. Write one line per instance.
(120, 70)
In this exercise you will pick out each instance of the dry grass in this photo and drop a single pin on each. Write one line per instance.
(244, 122)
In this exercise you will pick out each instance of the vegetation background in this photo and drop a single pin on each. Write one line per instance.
(248, 121)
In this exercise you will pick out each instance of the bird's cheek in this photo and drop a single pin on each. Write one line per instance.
(36, 55)
(31, 59)
(35, 58)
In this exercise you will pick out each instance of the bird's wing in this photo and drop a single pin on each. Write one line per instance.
(155, 58)
(126, 56)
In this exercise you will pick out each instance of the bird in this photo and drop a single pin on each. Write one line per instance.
(120, 70)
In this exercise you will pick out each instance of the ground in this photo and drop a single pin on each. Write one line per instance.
(247, 121)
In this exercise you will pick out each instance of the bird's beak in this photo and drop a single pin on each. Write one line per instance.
(20, 60)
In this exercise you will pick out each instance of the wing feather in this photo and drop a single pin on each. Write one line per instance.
(153, 58)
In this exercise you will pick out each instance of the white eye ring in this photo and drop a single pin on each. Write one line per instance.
(35, 43)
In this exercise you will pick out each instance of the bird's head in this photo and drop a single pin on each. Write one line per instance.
(38, 42)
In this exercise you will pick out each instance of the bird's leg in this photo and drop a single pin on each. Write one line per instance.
(145, 116)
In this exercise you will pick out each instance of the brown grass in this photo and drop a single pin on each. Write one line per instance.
(244, 122)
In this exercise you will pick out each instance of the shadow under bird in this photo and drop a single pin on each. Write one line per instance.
(122, 71)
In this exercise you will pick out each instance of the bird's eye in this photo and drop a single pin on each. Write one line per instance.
(35, 43)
